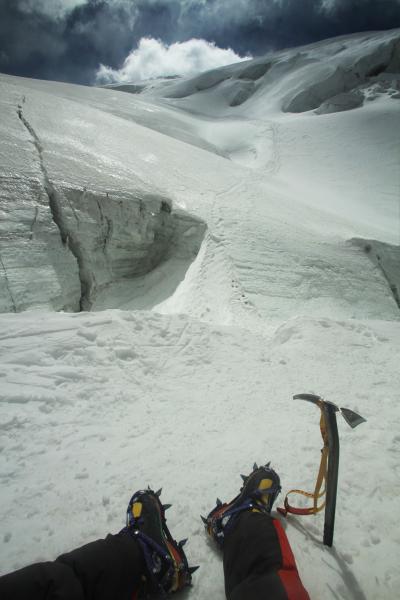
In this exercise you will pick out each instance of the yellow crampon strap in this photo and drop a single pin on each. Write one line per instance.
(321, 480)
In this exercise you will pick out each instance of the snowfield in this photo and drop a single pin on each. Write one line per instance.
(175, 264)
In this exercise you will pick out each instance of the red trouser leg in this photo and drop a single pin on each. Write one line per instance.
(258, 561)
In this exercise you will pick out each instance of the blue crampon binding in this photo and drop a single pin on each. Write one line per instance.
(259, 492)
(167, 566)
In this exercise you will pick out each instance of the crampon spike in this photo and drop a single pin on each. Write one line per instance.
(203, 519)
(219, 502)
(255, 466)
(166, 506)
(244, 477)
(268, 464)
(182, 542)
(158, 492)
(191, 570)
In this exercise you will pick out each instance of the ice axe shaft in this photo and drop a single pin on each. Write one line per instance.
(333, 472)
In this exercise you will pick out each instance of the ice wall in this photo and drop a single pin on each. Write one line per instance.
(61, 243)
(386, 257)
(102, 239)
(120, 236)
(36, 268)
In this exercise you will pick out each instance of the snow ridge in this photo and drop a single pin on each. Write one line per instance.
(326, 77)
(66, 239)
(47, 183)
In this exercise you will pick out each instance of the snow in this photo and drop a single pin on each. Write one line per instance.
(233, 253)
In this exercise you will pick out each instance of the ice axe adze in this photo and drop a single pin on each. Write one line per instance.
(329, 467)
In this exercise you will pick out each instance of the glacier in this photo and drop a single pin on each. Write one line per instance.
(177, 259)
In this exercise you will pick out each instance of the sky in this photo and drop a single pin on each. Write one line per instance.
(99, 41)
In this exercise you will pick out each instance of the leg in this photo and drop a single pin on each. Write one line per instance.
(143, 557)
(109, 568)
(48, 580)
(258, 562)
(102, 569)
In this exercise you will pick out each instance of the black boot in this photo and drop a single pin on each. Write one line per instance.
(258, 494)
(166, 562)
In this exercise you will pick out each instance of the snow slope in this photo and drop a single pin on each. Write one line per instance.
(232, 254)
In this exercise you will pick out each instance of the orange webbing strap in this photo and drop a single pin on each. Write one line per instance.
(321, 479)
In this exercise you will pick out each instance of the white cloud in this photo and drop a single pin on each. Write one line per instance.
(53, 8)
(152, 58)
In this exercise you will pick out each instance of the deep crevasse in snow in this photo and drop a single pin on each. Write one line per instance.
(112, 235)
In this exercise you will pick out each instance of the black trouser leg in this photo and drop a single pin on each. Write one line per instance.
(47, 580)
(258, 563)
(108, 569)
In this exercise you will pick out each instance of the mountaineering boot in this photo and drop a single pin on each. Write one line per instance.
(165, 559)
(258, 494)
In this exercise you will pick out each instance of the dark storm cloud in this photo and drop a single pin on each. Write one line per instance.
(259, 25)
(39, 39)
(66, 46)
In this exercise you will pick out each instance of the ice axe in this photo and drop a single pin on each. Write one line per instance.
(329, 467)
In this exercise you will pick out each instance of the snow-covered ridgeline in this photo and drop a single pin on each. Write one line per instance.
(328, 76)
